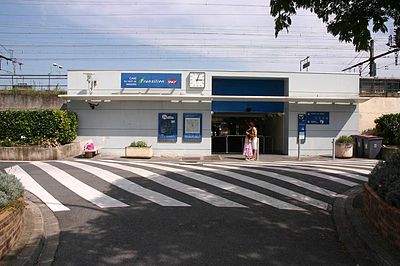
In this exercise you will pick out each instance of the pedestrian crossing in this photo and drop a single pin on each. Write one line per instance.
(282, 185)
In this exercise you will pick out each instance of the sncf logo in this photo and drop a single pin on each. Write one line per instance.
(172, 81)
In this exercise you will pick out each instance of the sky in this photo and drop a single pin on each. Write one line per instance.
(170, 35)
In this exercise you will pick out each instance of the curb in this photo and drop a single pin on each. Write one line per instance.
(40, 236)
(360, 237)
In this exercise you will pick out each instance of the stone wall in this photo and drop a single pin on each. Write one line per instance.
(384, 217)
(11, 221)
(34, 153)
(29, 101)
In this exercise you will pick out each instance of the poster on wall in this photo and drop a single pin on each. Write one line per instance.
(167, 126)
(192, 126)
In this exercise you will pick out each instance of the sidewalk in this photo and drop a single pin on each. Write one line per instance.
(360, 238)
(40, 238)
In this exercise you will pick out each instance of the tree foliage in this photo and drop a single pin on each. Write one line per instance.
(349, 20)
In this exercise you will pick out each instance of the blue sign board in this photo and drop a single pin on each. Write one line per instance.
(151, 80)
(167, 126)
(301, 126)
(192, 126)
(318, 118)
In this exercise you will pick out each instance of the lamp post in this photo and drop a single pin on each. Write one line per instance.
(51, 69)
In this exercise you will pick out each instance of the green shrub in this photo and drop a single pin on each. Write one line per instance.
(37, 127)
(385, 180)
(10, 189)
(345, 139)
(388, 127)
(140, 143)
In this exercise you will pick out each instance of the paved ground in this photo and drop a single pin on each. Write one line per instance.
(186, 212)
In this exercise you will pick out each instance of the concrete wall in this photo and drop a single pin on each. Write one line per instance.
(109, 82)
(114, 125)
(343, 120)
(374, 108)
(11, 101)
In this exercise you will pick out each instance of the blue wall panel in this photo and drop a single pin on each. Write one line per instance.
(248, 87)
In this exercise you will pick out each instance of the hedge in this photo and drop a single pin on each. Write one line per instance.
(385, 180)
(388, 127)
(37, 127)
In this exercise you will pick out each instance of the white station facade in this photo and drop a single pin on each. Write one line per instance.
(200, 113)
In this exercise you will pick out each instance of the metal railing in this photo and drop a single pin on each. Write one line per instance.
(33, 82)
(235, 143)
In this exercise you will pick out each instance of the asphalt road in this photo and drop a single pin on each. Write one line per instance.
(217, 213)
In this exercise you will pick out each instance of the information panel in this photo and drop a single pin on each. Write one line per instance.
(319, 118)
(192, 126)
(301, 126)
(167, 126)
(151, 80)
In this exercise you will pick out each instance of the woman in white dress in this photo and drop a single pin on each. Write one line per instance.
(253, 134)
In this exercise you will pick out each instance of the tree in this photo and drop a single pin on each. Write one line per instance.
(349, 20)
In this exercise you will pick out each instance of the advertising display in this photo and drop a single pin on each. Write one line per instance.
(192, 126)
(151, 80)
(167, 126)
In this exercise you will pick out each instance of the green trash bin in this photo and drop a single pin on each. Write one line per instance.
(358, 150)
(372, 146)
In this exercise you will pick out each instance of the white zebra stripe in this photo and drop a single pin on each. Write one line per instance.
(81, 189)
(165, 181)
(31, 185)
(365, 170)
(227, 186)
(326, 169)
(127, 185)
(250, 180)
(284, 178)
(297, 169)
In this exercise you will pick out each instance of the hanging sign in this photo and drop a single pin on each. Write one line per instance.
(151, 80)
(192, 126)
(167, 126)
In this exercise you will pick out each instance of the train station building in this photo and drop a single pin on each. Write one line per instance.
(200, 113)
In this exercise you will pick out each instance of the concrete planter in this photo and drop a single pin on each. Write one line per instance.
(36, 153)
(343, 150)
(139, 152)
(387, 151)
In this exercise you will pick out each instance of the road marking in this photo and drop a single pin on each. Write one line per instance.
(331, 166)
(181, 187)
(250, 180)
(297, 169)
(326, 169)
(81, 189)
(127, 185)
(237, 190)
(284, 178)
(31, 185)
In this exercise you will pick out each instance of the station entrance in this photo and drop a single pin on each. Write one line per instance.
(228, 132)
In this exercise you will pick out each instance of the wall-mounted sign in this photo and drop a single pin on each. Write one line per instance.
(301, 127)
(167, 126)
(318, 118)
(192, 126)
(151, 80)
